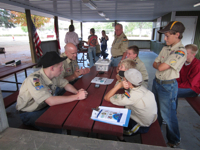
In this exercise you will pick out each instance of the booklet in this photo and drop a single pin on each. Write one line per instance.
(111, 115)
(100, 80)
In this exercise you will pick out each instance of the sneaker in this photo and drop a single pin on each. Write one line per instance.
(173, 145)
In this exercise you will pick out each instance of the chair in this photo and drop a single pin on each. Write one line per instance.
(82, 50)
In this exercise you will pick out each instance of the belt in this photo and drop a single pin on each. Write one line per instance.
(164, 81)
(117, 56)
(21, 112)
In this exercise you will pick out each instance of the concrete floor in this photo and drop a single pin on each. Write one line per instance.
(189, 120)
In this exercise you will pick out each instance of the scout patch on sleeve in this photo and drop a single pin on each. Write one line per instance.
(39, 87)
(115, 96)
(125, 40)
(179, 52)
(127, 94)
(36, 80)
(37, 83)
(172, 62)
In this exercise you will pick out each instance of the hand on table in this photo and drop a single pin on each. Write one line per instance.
(82, 94)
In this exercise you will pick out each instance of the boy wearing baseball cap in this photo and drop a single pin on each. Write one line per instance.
(168, 64)
(138, 99)
(38, 90)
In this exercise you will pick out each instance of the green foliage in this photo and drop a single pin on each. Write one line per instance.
(198, 55)
(137, 25)
(5, 17)
(24, 28)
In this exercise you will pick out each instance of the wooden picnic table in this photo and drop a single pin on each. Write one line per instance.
(76, 115)
(9, 70)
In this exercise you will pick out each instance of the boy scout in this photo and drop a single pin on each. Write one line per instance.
(138, 99)
(165, 87)
(132, 53)
(119, 46)
(36, 92)
(124, 65)
(71, 69)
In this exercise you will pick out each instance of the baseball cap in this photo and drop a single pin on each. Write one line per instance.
(133, 76)
(50, 59)
(173, 25)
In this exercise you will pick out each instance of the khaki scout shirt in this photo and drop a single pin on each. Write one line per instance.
(175, 57)
(35, 89)
(142, 69)
(141, 102)
(119, 45)
(69, 66)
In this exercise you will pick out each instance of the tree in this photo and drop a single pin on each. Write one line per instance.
(137, 25)
(20, 18)
(5, 19)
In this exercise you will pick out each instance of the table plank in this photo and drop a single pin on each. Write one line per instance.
(79, 119)
(16, 69)
(104, 128)
(55, 116)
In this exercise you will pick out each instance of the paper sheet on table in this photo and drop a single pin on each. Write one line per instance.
(103, 81)
(111, 115)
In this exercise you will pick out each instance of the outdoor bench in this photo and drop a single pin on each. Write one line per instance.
(153, 136)
(11, 99)
(195, 103)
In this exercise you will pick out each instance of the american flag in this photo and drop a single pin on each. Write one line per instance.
(37, 42)
(57, 35)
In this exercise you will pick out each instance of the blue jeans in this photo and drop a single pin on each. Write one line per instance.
(103, 51)
(29, 118)
(183, 92)
(166, 96)
(115, 61)
(92, 55)
(133, 123)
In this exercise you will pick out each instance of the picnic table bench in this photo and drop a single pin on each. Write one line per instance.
(11, 99)
(195, 103)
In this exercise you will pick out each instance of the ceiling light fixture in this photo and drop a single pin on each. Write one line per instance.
(101, 14)
(89, 4)
(107, 18)
(198, 4)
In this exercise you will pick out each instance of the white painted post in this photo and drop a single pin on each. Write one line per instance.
(3, 117)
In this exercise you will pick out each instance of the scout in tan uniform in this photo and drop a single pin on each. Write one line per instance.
(36, 92)
(119, 46)
(132, 53)
(168, 64)
(138, 99)
(125, 64)
(71, 69)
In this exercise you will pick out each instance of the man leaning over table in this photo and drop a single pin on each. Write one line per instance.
(37, 92)
(71, 69)
(119, 46)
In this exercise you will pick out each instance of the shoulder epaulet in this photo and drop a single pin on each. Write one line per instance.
(37, 75)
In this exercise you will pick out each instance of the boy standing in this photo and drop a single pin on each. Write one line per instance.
(138, 99)
(165, 87)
